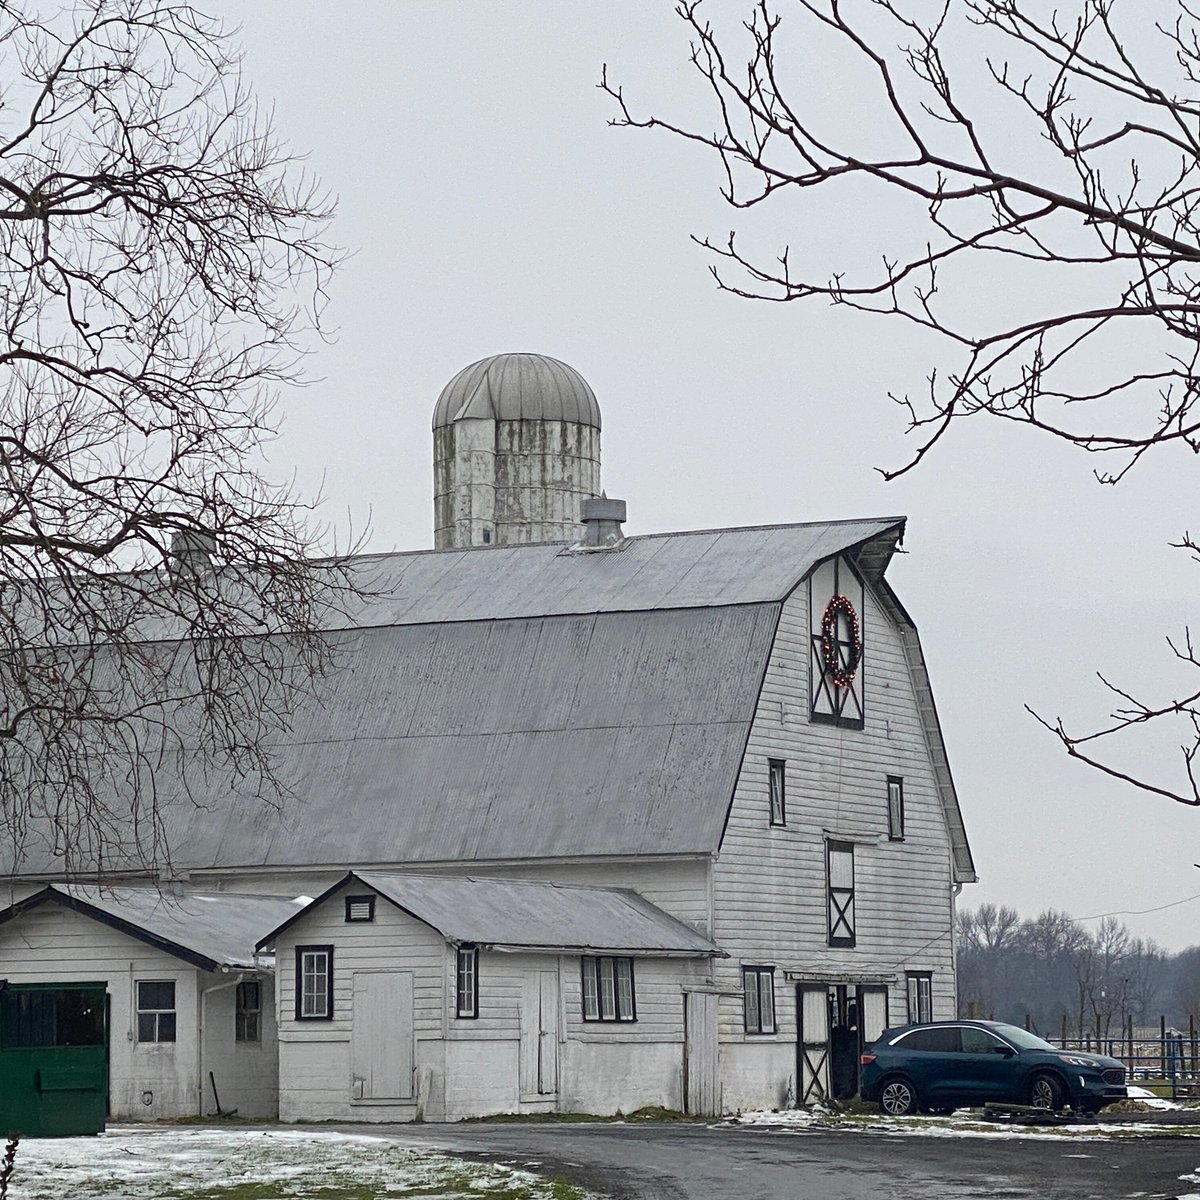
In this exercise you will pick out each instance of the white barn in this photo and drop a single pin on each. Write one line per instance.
(736, 725)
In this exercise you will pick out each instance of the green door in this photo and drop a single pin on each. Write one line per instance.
(53, 1059)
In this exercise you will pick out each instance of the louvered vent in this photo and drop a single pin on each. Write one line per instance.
(360, 908)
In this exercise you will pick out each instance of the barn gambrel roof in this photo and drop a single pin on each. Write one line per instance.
(532, 702)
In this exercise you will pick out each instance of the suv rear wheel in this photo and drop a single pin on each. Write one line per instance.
(898, 1097)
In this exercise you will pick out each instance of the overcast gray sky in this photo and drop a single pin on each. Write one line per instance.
(490, 208)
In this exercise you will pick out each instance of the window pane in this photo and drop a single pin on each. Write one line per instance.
(591, 1002)
(766, 1004)
(625, 989)
(153, 994)
(146, 1025)
(750, 999)
(777, 791)
(166, 1027)
(841, 867)
(608, 1004)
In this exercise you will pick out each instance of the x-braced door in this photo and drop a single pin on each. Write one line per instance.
(812, 1043)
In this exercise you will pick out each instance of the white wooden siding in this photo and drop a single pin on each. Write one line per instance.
(769, 882)
(148, 1081)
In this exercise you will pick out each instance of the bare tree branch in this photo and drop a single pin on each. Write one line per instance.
(162, 265)
(1097, 193)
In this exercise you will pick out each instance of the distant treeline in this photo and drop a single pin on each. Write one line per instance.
(1049, 971)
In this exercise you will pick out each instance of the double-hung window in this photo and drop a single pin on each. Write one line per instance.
(920, 995)
(608, 989)
(247, 1017)
(314, 983)
(895, 798)
(777, 779)
(758, 998)
(155, 1010)
(839, 877)
(467, 981)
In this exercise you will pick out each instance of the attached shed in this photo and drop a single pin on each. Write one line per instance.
(406, 996)
(189, 1001)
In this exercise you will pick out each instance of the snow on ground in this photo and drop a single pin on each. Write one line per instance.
(962, 1124)
(1149, 1099)
(215, 1164)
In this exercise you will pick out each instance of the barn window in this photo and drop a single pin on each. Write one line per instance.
(360, 908)
(920, 995)
(155, 1010)
(40, 1016)
(839, 877)
(895, 794)
(777, 774)
(314, 983)
(467, 972)
(247, 1018)
(758, 999)
(608, 989)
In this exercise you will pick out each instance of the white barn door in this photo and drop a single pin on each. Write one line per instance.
(539, 1036)
(812, 1049)
(381, 1041)
(701, 1061)
(872, 1012)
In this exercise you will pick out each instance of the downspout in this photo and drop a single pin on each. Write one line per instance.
(204, 995)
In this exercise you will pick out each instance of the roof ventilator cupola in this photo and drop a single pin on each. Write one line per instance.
(192, 552)
(602, 520)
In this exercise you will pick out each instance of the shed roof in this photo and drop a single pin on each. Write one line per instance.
(527, 914)
(208, 931)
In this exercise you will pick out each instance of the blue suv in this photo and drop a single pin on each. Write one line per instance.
(944, 1065)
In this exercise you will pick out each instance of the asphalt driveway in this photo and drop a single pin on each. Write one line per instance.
(697, 1162)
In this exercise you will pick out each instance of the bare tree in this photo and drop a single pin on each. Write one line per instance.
(1047, 153)
(161, 269)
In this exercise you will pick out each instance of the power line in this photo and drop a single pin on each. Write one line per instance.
(1140, 912)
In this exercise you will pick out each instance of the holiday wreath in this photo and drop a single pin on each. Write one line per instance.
(842, 673)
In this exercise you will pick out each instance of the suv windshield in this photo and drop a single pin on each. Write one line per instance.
(1022, 1037)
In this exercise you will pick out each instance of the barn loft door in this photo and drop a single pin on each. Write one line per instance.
(872, 1012)
(539, 1036)
(701, 1055)
(812, 1044)
(381, 1043)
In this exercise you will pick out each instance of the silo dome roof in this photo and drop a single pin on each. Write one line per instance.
(515, 387)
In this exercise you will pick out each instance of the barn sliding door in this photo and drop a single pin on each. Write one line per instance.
(812, 1043)
(539, 1036)
(381, 1041)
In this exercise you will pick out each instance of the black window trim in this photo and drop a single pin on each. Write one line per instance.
(832, 844)
(895, 828)
(466, 949)
(757, 971)
(326, 949)
(777, 769)
(616, 1019)
(368, 900)
(917, 978)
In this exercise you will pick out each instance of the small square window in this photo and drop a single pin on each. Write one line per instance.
(895, 795)
(247, 1019)
(314, 983)
(467, 972)
(360, 908)
(777, 774)
(758, 997)
(156, 1010)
